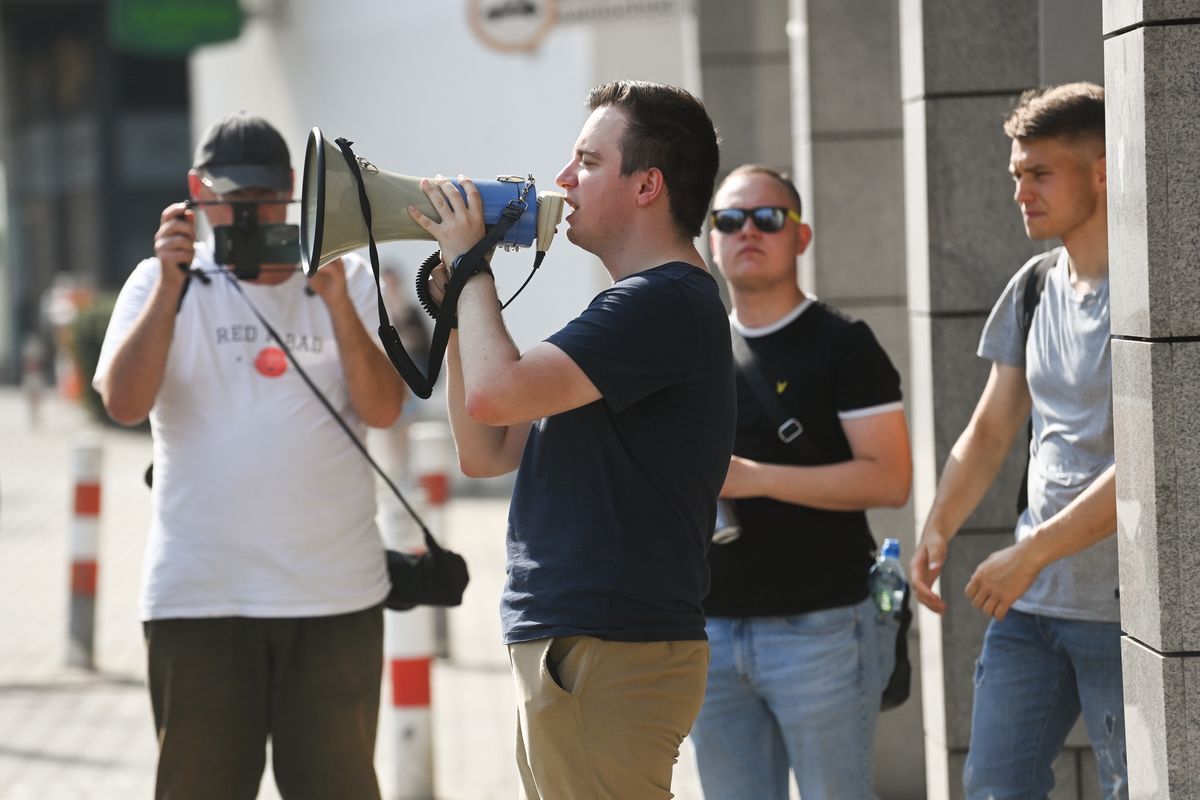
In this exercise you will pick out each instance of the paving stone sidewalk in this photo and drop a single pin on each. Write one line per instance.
(68, 733)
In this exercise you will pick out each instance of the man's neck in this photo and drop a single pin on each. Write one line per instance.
(635, 255)
(1087, 249)
(757, 309)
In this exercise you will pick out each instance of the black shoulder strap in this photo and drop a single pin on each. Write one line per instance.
(1031, 295)
(1031, 292)
(194, 272)
(789, 429)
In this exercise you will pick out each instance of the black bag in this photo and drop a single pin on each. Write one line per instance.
(437, 577)
(791, 432)
(900, 683)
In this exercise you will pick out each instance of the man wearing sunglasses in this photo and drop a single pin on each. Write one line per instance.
(1052, 649)
(799, 654)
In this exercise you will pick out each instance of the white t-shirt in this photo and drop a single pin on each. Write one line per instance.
(262, 507)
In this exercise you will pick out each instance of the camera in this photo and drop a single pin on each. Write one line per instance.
(246, 245)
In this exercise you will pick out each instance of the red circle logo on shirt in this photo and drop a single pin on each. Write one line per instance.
(271, 362)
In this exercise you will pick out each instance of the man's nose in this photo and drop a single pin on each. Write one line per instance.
(1022, 191)
(565, 177)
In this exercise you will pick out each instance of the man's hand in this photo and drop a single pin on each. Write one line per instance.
(175, 243)
(1002, 578)
(439, 279)
(330, 283)
(926, 566)
(461, 226)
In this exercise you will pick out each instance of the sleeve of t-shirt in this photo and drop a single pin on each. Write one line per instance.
(1001, 340)
(865, 381)
(360, 285)
(634, 339)
(130, 302)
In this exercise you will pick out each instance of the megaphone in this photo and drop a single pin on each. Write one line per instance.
(347, 203)
(331, 221)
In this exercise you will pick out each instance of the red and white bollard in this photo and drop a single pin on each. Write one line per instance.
(85, 540)
(410, 636)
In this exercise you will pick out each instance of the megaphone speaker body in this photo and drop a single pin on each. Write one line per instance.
(332, 224)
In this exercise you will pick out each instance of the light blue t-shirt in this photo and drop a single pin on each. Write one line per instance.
(1069, 369)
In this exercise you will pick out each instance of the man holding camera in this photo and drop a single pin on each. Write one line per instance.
(800, 654)
(264, 575)
(620, 426)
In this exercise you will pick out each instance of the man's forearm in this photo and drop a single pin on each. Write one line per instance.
(376, 390)
(130, 387)
(487, 351)
(973, 464)
(1089, 518)
(847, 486)
(484, 451)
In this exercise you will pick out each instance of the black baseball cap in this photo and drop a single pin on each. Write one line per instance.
(242, 151)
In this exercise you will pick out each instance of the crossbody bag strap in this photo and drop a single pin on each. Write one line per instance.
(430, 543)
(788, 428)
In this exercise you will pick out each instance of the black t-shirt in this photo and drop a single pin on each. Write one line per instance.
(794, 559)
(615, 501)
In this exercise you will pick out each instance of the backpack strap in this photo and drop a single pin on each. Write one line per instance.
(1031, 294)
(1034, 283)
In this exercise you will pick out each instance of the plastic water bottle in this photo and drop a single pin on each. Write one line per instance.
(886, 579)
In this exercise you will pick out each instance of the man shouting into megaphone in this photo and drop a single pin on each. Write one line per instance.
(620, 426)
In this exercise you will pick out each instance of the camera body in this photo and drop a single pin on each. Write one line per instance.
(246, 245)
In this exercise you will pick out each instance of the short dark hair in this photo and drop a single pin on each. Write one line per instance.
(781, 178)
(668, 128)
(1070, 111)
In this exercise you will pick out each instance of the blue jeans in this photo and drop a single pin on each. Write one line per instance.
(799, 692)
(1031, 681)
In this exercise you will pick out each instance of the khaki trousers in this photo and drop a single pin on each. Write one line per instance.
(600, 720)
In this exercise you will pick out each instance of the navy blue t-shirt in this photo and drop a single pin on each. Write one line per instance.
(615, 501)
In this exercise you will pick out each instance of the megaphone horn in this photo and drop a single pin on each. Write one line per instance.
(331, 221)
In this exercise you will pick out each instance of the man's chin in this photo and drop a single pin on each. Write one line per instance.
(1039, 233)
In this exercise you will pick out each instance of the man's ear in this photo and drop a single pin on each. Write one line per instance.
(651, 185)
(804, 239)
(1101, 172)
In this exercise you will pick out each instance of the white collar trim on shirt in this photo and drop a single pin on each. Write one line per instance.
(779, 324)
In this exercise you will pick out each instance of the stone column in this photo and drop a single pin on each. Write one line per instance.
(848, 145)
(1152, 60)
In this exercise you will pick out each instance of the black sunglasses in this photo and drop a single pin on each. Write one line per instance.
(768, 219)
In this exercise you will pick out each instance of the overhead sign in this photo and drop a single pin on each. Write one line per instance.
(580, 11)
(511, 24)
(171, 27)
